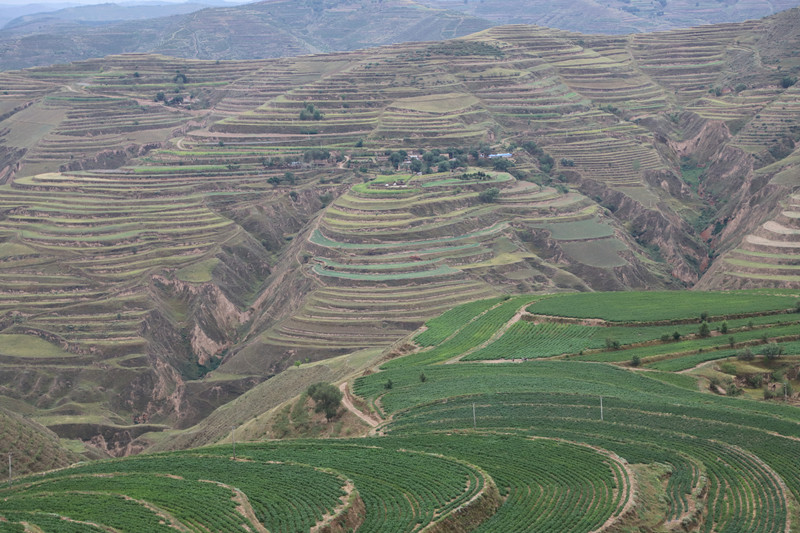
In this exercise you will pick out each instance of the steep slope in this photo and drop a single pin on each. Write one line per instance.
(33, 448)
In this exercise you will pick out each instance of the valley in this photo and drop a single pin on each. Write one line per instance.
(458, 235)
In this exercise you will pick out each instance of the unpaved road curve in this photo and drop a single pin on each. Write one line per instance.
(348, 403)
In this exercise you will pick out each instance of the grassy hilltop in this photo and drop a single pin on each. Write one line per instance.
(174, 232)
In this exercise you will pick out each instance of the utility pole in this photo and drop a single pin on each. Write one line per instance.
(233, 439)
(601, 408)
(474, 420)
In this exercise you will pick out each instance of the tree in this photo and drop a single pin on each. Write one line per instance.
(502, 164)
(636, 361)
(395, 158)
(772, 350)
(704, 330)
(274, 181)
(489, 195)
(745, 355)
(328, 398)
(612, 344)
(676, 336)
(723, 328)
(311, 113)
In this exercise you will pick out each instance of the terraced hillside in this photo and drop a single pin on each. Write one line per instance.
(551, 443)
(173, 232)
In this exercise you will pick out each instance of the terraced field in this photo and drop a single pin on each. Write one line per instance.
(733, 456)
(768, 255)
(174, 231)
(659, 330)
(392, 485)
(545, 445)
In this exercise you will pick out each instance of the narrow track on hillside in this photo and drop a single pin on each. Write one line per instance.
(348, 403)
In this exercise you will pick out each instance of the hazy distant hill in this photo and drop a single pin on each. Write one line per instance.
(99, 14)
(615, 16)
(277, 28)
(274, 28)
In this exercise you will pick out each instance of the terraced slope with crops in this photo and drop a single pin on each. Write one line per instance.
(173, 232)
(542, 443)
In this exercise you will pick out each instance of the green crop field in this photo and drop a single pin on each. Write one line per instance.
(176, 234)
(646, 307)
(556, 445)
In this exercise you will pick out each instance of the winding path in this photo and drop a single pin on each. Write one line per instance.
(348, 403)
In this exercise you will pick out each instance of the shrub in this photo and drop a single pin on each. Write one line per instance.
(755, 380)
(665, 337)
(728, 368)
(734, 390)
(422, 377)
(612, 344)
(745, 355)
(388, 385)
(489, 195)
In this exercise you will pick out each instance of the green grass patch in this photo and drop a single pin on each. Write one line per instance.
(592, 228)
(200, 272)
(13, 249)
(17, 345)
(601, 253)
